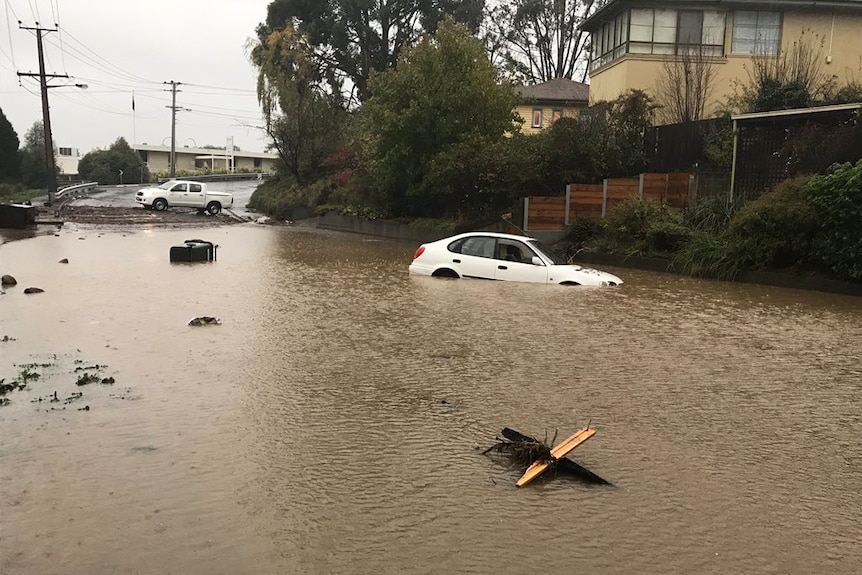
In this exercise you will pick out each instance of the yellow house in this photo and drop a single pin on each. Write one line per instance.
(631, 40)
(543, 104)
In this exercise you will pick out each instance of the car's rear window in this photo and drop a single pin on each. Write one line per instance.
(480, 246)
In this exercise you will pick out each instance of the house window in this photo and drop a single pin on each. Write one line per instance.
(537, 118)
(677, 32)
(257, 163)
(557, 114)
(756, 33)
(65, 151)
(609, 42)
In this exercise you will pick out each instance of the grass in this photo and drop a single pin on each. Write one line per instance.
(16, 197)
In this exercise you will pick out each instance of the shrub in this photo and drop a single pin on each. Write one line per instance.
(713, 214)
(667, 236)
(710, 256)
(638, 226)
(776, 229)
(583, 230)
(836, 200)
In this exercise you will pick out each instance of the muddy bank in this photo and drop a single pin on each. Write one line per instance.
(138, 216)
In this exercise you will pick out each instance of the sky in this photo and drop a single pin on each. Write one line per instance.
(124, 51)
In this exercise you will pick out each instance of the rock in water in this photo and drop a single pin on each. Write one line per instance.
(8, 280)
(34, 290)
(204, 320)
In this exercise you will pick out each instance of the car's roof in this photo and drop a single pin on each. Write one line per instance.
(491, 234)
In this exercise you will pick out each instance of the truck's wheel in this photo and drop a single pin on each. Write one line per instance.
(213, 208)
(160, 204)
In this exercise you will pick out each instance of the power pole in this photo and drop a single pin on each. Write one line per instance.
(173, 107)
(46, 115)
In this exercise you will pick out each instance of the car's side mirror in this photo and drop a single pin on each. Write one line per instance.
(537, 261)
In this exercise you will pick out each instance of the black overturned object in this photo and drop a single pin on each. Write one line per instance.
(194, 251)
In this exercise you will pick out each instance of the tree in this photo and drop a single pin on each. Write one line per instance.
(352, 38)
(539, 40)
(34, 165)
(685, 86)
(431, 125)
(303, 122)
(119, 164)
(10, 159)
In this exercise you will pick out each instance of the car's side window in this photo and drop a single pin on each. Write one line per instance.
(195, 188)
(511, 251)
(179, 188)
(479, 246)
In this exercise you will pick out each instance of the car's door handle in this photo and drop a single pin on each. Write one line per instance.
(456, 261)
(502, 268)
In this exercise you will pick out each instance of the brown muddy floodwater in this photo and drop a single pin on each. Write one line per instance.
(334, 422)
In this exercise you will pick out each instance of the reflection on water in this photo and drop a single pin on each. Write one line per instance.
(331, 424)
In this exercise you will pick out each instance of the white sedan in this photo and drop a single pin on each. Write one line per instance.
(494, 256)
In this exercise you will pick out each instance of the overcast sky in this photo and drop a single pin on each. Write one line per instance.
(120, 47)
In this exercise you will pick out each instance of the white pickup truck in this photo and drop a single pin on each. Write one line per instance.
(184, 194)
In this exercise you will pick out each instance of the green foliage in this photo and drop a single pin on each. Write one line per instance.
(583, 230)
(718, 143)
(712, 214)
(432, 128)
(34, 166)
(644, 227)
(849, 93)
(277, 199)
(119, 164)
(836, 198)
(792, 79)
(10, 158)
(708, 255)
(14, 193)
(351, 40)
(776, 229)
(304, 122)
(440, 224)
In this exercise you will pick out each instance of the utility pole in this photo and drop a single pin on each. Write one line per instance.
(46, 115)
(173, 107)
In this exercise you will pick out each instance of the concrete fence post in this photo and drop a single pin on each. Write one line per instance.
(525, 225)
(641, 186)
(604, 198)
(568, 203)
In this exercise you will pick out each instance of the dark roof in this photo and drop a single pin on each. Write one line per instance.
(611, 7)
(556, 90)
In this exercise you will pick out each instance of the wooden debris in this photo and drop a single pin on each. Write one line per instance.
(539, 457)
(558, 452)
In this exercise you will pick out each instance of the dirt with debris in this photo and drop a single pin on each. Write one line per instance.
(138, 216)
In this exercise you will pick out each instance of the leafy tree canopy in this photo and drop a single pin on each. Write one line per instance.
(10, 159)
(34, 166)
(119, 164)
(352, 38)
(303, 121)
(430, 124)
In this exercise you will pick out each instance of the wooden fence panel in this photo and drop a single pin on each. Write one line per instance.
(619, 190)
(672, 189)
(585, 201)
(546, 213)
(678, 189)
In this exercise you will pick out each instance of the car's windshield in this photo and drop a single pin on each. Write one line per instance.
(550, 254)
(167, 185)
